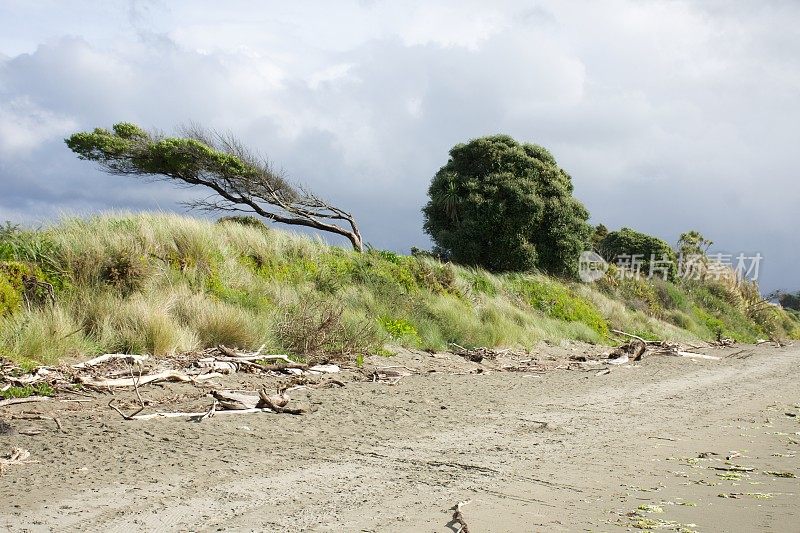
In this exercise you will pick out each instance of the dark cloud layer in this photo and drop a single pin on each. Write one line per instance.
(669, 116)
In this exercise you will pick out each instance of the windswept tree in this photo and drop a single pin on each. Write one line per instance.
(506, 206)
(240, 180)
(692, 243)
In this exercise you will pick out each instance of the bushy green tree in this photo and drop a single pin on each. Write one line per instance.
(506, 206)
(600, 232)
(790, 301)
(628, 242)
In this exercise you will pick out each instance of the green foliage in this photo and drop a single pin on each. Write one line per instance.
(790, 301)
(384, 275)
(630, 242)
(129, 149)
(33, 248)
(692, 243)
(642, 294)
(399, 329)
(669, 295)
(480, 282)
(716, 307)
(38, 389)
(12, 287)
(244, 220)
(506, 206)
(598, 235)
(10, 297)
(556, 301)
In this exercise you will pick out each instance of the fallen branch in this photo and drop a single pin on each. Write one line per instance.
(247, 361)
(458, 517)
(151, 416)
(131, 358)
(618, 332)
(733, 468)
(210, 412)
(277, 403)
(123, 415)
(39, 417)
(695, 355)
(29, 399)
(166, 375)
(234, 400)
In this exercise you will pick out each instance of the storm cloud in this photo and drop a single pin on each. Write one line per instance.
(669, 115)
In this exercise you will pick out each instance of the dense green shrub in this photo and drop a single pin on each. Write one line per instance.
(12, 286)
(10, 297)
(399, 329)
(506, 206)
(628, 242)
(790, 301)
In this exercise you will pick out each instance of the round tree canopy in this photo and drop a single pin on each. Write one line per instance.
(506, 206)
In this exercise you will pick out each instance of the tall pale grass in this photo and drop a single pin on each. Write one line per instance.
(165, 283)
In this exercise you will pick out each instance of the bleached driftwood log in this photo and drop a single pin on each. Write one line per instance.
(29, 399)
(165, 375)
(136, 359)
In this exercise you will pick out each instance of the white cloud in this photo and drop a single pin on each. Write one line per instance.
(24, 126)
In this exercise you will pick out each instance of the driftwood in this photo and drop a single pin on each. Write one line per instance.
(214, 363)
(639, 347)
(733, 468)
(198, 415)
(632, 351)
(29, 399)
(236, 400)
(278, 403)
(18, 456)
(390, 374)
(618, 332)
(225, 402)
(695, 355)
(130, 358)
(39, 417)
(458, 517)
(166, 375)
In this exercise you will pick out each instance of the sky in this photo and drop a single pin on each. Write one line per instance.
(669, 116)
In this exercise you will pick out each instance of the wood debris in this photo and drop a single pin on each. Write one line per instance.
(28, 399)
(227, 402)
(390, 374)
(110, 371)
(476, 355)
(17, 456)
(458, 517)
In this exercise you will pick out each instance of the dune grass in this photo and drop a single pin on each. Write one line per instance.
(164, 283)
